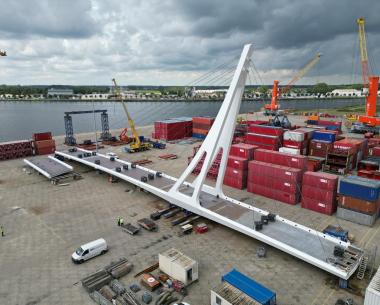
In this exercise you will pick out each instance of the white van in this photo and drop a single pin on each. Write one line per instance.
(89, 250)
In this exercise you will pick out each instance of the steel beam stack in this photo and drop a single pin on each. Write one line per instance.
(15, 149)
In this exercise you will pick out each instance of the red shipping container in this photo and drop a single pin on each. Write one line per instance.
(320, 180)
(274, 183)
(266, 130)
(263, 139)
(204, 120)
(42, 136)
(264, 146)
(237, 163)
(45, 150)
(318, 206)
(314, 164)
(286, 174)
(236, 174)
(365, 173)
(322, 145)
(273, 194)
(318, 194)
(375, 151)
(44, 144)
(295, 144)
(242, 150)
(235, 183)
(362, 206)
(279, 158)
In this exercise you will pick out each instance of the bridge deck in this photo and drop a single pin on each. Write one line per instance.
(48, 166)
(283, 234)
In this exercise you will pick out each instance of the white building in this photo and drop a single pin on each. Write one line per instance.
(95, 96)
(210, 92)
(346, 92)
(60, 92)
(178, 266)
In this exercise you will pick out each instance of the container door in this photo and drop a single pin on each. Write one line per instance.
(190, 275)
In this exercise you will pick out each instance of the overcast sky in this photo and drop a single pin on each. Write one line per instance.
(168, 42)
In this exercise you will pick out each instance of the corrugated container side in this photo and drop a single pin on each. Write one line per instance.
(287, 174)
(294, 136)
(362, 206)
(266, 130)
(237, 163)
(274, 194)
(358, 187)
(243, 150)
(372, 293)
(279, 158)
(319, 194)
(321, 180)
(277, 184)
(356, 217)
(318, 206)
(324, 136)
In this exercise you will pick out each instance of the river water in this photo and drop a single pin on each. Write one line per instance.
(19, 119)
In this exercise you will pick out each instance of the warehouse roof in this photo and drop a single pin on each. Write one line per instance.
(249, 286)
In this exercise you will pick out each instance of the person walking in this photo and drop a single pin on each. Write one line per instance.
(121, 221)
(118, 221)
(2, 231)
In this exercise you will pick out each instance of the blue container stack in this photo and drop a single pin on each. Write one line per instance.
(324, 136)
(360, 188)
(358, 200)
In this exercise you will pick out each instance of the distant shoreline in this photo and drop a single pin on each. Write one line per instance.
(177, 100)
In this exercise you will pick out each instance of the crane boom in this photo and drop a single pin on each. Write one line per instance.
(363, 51)
(301, 73)
(273, 106)
(130, 121)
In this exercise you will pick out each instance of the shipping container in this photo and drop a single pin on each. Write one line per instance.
(358, 187)
(315, 205)
(280, 158)
(277, 184)
(42, 136)
(44, 144)
(238, 183)
(295, 144)
(269, 192)
(321, 180)
(316, 193)
(178, 266)
(359, 205)
(294, 136)
(237, 163)
(243, 150)
(308, 132)
(324, 136)
(356, 217)
(291, 151)
(314, 163)
(263, 139)
(266, 130)
(287, 174)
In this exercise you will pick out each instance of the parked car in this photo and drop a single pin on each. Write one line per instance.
(111, 154)
(89, 250)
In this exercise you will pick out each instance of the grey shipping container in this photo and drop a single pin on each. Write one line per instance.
(356, 217)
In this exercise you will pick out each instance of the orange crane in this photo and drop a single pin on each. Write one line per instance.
(369, 122)
(272, 108)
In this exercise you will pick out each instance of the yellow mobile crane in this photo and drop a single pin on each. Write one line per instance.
(136, 144)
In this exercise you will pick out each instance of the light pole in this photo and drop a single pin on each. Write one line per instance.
(96, 134)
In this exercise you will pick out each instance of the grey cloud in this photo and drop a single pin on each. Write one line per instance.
(47, 18)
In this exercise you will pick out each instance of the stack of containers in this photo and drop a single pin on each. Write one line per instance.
(294, 143)
(319, 148)
(201, 126)
(358, 147)
(267, 137)
(358, 200)
(329, 125)
(15, 149)
(237, 165)
(43, 143)
(319, 192)
(172, 129)
(276, 175)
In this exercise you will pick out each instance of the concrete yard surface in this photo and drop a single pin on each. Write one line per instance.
(45, 223)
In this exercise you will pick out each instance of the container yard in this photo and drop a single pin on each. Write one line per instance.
(271, 207)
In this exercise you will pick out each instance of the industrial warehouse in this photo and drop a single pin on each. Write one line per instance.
(279, 206)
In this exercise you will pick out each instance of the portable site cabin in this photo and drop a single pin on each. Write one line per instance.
(178, 266)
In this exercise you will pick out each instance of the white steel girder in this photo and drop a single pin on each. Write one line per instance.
(285, 235)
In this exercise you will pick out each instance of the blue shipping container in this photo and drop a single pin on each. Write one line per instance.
(358, 187)
(324, 136)
(199, 136)
(312, 122)
(250, 287)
